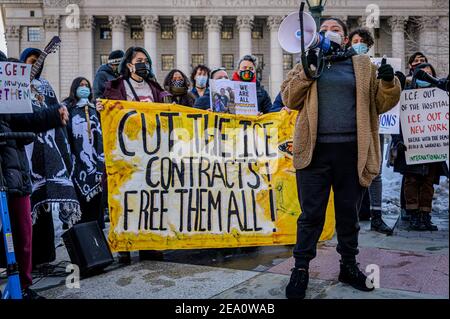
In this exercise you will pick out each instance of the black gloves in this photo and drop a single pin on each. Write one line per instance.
(312, 58)
(385, 72)
(402, 79)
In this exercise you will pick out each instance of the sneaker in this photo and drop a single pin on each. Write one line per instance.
(426, 221)
(296, 288)
(377, 224)
(350, 274)
(28, 294)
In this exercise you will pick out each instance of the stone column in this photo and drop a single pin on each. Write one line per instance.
(118, 24)
(214, 25)
(397, 24)
(182, 26)
(276, 56)
(429, 34)
(86, 47)
(12, 36)
(244, 25)
(52, 70)
(150, 25)
(443, 65)
(70, 58)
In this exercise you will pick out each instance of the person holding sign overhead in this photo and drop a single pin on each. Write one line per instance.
(419, 179)
(336, 145)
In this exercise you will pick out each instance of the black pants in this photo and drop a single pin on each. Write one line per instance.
(43, 243)
(333, 165)
(92, 210)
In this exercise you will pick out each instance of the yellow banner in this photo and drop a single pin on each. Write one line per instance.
(183, 178)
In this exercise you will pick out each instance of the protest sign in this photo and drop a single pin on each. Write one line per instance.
(233, 97)
(183, 178)
(396, 63)
(424, 120)
(390, 121)
(15, 94)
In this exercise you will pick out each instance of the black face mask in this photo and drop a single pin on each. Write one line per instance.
(142, 70)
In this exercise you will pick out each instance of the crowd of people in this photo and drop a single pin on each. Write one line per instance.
(336, 144)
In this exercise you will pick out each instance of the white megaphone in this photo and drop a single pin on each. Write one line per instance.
(289, 34)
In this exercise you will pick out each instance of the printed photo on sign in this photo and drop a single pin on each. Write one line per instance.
(234, 97)
(424, 121)
(222, 96)
(15, 94)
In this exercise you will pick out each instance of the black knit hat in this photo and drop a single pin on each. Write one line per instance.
(115, 57)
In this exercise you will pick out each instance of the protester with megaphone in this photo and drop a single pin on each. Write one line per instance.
(336, 145)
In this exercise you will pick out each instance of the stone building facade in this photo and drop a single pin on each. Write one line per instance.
(183, 33)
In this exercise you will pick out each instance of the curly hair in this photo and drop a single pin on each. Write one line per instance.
(364, 34)
(202, 68)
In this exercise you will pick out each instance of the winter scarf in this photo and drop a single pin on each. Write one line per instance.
(87, 148)
(51, 166)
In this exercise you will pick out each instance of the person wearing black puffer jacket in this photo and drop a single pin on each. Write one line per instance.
(16, 173)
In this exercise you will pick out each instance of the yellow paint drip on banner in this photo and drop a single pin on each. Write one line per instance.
(183, 178)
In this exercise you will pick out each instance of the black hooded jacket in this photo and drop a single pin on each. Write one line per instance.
(13, 158)
(104, 74)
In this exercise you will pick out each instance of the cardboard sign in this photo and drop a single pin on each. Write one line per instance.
(390, 121)
(424, 118)
(15, 93)
(396, 63)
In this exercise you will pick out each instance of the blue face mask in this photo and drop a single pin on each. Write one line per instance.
(360, 48)
(201, 81)
(422, 84)
(83, 92)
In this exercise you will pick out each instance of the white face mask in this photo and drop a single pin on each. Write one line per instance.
(334, 37)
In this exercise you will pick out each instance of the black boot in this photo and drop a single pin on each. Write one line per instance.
(426, 221)
(350, 274)
(28, 294)
(416, 221)
(405, 215)
(124, 257)
(296, 288)
(377, 224)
